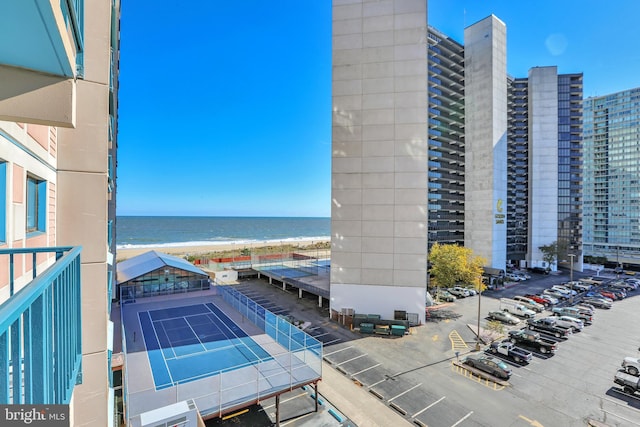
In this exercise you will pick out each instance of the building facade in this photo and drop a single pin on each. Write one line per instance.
(485, 66)
(58, 126)
(446, 139)
(612, 177)
(379, 157)
(535, 183)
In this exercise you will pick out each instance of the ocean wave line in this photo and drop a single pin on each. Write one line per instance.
(238, 243)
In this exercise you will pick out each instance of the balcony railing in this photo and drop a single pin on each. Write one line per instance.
(40, 334)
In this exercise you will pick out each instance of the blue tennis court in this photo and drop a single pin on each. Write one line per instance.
(192, 342)
(288, 272)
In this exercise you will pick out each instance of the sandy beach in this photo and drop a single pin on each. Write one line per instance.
(126, 253)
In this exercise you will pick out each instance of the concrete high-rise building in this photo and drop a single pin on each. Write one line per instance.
(58, 116)
(535, 181)
(545, 166)
(446, 139)
(485, 75)
(379, 157)
(612, 177)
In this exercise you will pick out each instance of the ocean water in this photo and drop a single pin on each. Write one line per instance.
(166, 231)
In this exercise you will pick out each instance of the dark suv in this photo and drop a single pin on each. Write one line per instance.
(539, 270)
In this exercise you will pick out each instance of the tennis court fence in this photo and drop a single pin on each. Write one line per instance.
(296, 362)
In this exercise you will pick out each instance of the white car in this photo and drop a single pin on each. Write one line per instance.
(570, 322)
(564, 290)
(631, 365)
(459, 291)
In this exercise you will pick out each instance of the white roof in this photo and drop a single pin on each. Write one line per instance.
(149, 261)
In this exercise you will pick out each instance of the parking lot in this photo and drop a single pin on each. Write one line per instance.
(414, 376)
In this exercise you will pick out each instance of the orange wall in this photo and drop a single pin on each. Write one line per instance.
(40, 133)
(18, 184)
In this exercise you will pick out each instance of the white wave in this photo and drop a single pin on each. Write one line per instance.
(238, 243)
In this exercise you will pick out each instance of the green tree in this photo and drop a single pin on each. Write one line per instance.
(551, 252)
(453, 264)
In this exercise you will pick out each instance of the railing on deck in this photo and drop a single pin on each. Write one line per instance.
(40, 334)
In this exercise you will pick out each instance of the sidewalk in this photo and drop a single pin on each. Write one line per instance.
(355, 401)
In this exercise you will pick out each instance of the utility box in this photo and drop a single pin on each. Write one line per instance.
(398, 330)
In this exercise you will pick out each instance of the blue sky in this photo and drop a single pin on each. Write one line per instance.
(225, 107)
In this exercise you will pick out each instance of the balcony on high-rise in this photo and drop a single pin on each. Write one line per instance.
(40, 333)
(41, 54)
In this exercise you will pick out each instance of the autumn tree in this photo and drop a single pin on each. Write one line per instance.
(451, 265)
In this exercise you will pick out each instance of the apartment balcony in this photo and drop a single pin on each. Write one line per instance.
(41, 60)
(40, 333)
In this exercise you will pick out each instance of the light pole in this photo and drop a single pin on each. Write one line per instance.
(478, 330)
(571, 276)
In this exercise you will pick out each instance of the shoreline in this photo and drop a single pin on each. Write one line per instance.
(202, 248)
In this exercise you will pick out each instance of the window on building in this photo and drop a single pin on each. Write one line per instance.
(36, 204)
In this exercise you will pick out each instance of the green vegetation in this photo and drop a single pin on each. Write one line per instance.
(495, 326)
(452, 265)
(262, 250)
(552, 252)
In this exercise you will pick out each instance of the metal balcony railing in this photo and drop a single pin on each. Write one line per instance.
(40, 333)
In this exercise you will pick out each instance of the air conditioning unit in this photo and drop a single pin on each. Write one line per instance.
(181, 414)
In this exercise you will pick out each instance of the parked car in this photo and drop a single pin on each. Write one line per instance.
(539, 270)
(509, 349)
(556, 294)
(564, 290)
(617, 292)
(550, 326)
(529, 303)
(532, 340)
(598, 295)
(459, 292)
(598, 301)
(634, 282)
(514, 307)
(444, 295)
(631, 365)
(512, 277)
(569, 322)
(608, 294)
(522, 276)
(539, 299)
(578, 286)
(504, 317)
(630, 383)
(583, 306)
(490, 365)
(621, 284)
(581, 313)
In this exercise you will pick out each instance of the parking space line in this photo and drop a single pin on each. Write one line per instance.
(404, 392)
(617, 403)
(337, 351)
(320, 335)
(621, 417)
(353, 358)
(462, 419)
(332, 341)
(366, 369)
(422, 410)
(375, 384)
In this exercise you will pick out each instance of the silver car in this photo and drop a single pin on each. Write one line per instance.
(504, 317)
